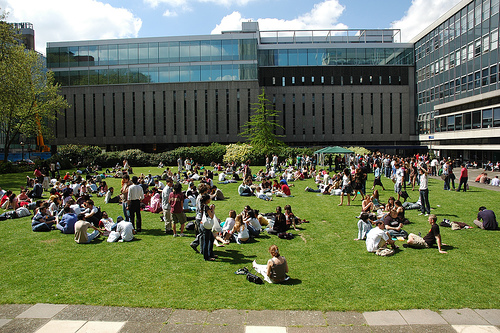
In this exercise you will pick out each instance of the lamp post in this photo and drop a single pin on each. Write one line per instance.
(22, 151)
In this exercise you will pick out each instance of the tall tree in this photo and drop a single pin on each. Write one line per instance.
(29, 99)
(259, 131)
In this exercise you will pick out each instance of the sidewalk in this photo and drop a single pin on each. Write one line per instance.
(473, 173)
(60, 318)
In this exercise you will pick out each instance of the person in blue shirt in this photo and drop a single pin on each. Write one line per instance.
(67, 222)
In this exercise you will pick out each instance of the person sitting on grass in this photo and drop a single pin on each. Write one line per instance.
(259, 193)
(81, 235)
(244, 190)
(67, 222)
(378, 238)
(42, 221)
(253, 225)
(280, 224)
(240, 230)
(122, 231)
(486, 219)
(364, 226)
(433, 237)
(393, 224)
(276, 268)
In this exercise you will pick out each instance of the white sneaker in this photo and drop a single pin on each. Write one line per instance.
(420, 214)
(426, 214)
(176, 235)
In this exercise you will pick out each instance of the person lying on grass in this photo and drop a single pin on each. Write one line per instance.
(433, 237)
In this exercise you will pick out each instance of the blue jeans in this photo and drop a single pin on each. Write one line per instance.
(207, 243)
(126, 213)
(425, 206)
(92, 236)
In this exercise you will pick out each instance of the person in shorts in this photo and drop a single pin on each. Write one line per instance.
(433, 237)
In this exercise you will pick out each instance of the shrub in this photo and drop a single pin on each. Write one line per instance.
(238, 153)
(79, 153)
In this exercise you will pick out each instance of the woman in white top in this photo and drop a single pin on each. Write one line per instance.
(240, 230)
(346, 187)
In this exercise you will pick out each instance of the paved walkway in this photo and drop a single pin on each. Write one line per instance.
(473, 173)
(60, 318)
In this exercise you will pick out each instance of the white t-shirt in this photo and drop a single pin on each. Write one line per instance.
(126, 230)
(495, 182)
(229, 224)
(373, 238)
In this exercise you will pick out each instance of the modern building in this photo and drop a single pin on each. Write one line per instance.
(458, 91)
(332, 87)
(342, 87)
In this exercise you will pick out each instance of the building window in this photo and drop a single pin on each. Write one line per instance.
(164, 114)
(342, 112)
(93, 115)
(333, 113)
(74, 114)
(493, 74)
(381, 114)
(133, 114)
(123, 114)
(470, 51)
(227, 111)
(238, 111)
(391, 119)
(144, 113)
(174, 111)
(216, 111)
(477, 49)
(400, 113)
(184, 103)
(322, 113)
(485, 77)
(84, 108)
(206, 112)
(114, 116)
(293, 114)
(154, 113)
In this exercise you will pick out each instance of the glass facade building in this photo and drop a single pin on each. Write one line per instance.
(155, 93)
(457, 65)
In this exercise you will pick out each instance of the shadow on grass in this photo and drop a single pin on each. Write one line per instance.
(235, 257)
(291, 282)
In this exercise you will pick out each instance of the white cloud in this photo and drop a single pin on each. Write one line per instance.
(323, 15)
(59, 20)
(169, 13)
(420, 15)
(186, 3)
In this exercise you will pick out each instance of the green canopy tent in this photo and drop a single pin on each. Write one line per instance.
(330, 150)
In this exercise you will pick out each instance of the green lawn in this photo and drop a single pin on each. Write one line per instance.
(329, 270)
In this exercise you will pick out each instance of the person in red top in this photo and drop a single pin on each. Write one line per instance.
(176, 200)
(285, 189)
(464, 177)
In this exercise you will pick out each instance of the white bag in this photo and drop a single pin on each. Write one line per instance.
(22, 212)
(207, 222)
(216, 227)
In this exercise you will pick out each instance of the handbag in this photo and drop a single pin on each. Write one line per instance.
(207, 222)
(254, 278)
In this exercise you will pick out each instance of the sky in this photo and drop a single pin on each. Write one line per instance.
(71, 20)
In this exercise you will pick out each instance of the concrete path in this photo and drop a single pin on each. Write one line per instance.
(473, 173)
(60, 318)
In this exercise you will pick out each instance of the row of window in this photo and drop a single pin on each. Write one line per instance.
(468, 82)
(466, 19)
(461, 56)
(157, 75)
(336, 57)
(337, 80)
(486, 118)
(152, 53)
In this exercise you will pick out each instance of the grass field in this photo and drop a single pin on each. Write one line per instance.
(329, 270)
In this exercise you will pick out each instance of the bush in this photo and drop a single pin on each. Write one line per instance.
(8, 167)
(79, 153)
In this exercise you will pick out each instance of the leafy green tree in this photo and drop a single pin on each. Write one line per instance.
(29, 99)
(259, 131)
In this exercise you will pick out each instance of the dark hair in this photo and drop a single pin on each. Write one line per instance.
(205, 197)
(81, 216)
(482, 208)
(135, 179)
(177, 187)
(364, 216)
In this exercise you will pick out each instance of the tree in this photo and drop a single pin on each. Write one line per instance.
(29, 99)
(259, 131)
